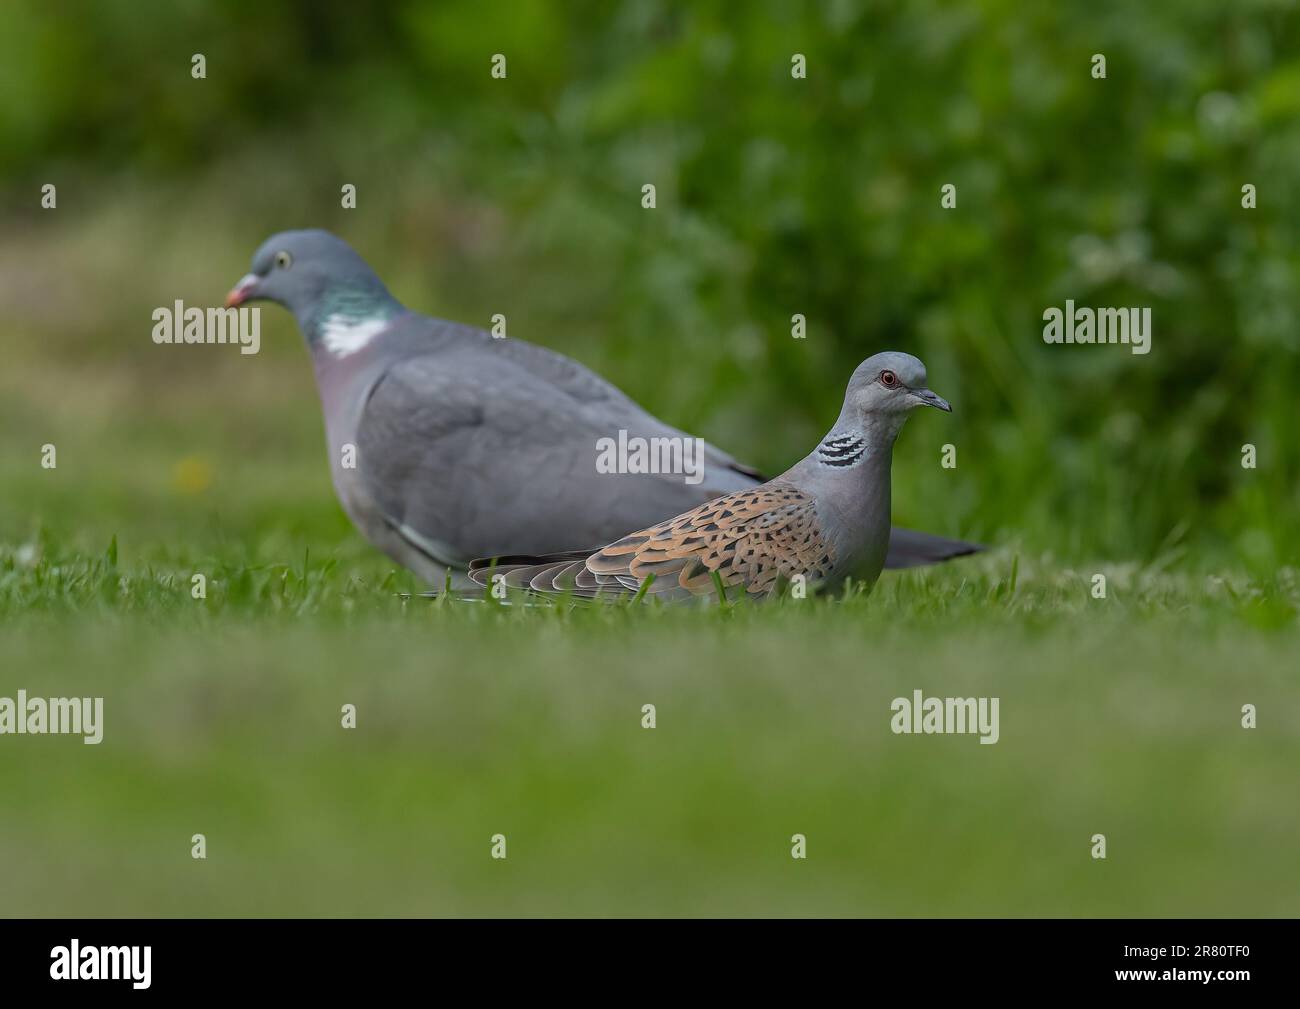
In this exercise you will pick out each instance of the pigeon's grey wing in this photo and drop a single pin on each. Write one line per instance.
(403, 435)
(583, 385)
(464, 461)
(910, 549)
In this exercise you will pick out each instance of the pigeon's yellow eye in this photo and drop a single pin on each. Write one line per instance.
(283, 260)
(888, 379)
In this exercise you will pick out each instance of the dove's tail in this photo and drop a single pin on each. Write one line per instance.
(518, 571)
(910, 549)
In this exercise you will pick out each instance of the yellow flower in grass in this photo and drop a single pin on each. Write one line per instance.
(191, 475)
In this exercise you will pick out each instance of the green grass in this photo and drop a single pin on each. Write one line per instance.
(222, 716)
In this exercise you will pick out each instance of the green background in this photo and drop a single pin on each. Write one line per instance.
(776, 196)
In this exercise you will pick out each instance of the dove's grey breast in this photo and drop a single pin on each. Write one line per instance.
(848, 476)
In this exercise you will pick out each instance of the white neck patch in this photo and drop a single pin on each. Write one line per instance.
(342, 335)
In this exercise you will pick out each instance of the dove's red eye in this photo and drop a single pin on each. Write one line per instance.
(888, 379)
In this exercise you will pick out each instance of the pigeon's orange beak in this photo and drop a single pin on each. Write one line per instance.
(242, 291)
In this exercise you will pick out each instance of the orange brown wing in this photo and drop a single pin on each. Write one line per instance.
(753, 538)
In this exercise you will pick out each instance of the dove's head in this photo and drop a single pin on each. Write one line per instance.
(885, 388)
(312, 272)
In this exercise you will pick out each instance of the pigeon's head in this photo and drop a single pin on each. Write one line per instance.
(301, 269)
(890, 385)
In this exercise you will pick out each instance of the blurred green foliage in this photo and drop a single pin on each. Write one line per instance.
(775, 196)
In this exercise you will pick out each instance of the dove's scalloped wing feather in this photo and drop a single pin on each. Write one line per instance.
(752, 538)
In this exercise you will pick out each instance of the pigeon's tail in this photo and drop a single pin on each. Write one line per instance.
(910, 549)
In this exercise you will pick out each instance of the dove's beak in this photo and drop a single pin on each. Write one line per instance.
(242, 291)
(932, 399)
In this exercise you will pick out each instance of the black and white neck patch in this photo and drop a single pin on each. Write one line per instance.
(842, 450)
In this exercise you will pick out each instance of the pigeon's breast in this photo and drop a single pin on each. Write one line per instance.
(344, 386)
